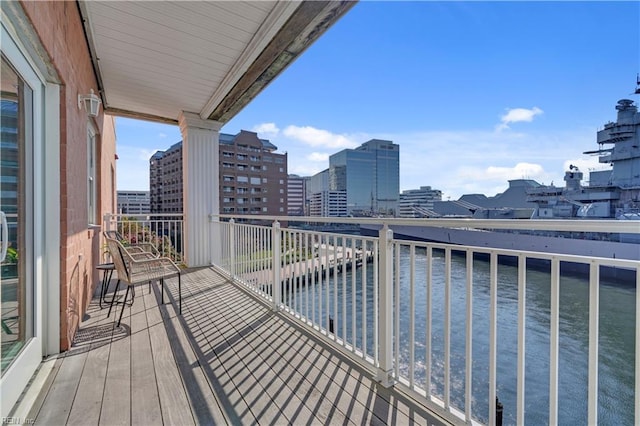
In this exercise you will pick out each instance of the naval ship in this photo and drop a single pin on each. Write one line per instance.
(612, 194)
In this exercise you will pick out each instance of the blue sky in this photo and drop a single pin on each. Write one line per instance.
(475, 93)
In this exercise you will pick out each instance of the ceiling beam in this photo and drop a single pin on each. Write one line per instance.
(306, 24)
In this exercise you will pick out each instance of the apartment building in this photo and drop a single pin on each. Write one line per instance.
(165, 180)
(296, 195)
(253, 177)
(134, 202)
(328, 204)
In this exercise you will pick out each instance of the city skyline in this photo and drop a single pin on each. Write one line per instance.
(474, 93)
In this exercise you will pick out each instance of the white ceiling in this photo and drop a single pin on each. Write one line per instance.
(154, 59)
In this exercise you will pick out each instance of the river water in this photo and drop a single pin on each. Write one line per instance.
(616, 340)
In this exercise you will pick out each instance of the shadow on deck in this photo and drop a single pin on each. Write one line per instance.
(227, 360)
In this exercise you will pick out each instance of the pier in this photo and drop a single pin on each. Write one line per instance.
(325, 259)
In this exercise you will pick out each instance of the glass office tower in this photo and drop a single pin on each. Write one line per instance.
(370, 174)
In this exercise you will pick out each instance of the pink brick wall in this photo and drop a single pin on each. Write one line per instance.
(59, 27)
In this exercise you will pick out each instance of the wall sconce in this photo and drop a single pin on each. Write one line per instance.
(91, 103)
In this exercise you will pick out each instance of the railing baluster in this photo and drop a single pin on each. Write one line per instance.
(396, 319)
(275, 236)
(468, 383)
(554, 324)
(522, 315)
(344, 290)
(232, 245)
(447, 329)
(354, 265)
(412, 314)
(493, 329)
(313, 279)
(376, 291)
(385, 366)
(594, 312)
(428, 314)
(364, 298)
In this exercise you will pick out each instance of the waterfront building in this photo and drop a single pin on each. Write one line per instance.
(370, 175)
(134, 202)
(296, 195)
(328, 204)
(252, 177)
(418, 202)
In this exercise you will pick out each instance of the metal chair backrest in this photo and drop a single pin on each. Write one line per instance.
(116, 251)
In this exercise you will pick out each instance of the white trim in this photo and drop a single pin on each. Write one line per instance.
(51, 199)
(44, 231)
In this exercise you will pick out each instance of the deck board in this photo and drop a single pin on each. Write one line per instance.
(228, 359)
(145, 406)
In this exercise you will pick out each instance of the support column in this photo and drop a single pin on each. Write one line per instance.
(201, 186)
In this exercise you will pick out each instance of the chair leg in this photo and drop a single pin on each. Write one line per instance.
(180, 292)
(124, 305)
(149, 287)
(162, 287)
(113, 297)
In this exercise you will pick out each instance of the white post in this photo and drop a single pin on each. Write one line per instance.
(232, 249)
(385, 312)
(200, 141)
(214, 233)
(275, 249)
(107, 221)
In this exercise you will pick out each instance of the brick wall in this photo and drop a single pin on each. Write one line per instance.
(59, 27)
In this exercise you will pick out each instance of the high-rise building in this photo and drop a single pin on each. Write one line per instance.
(370, 175)
(253, 177)
(418, 202)
(328, 204)
(296, 195)
(165, 180)
(134, 202)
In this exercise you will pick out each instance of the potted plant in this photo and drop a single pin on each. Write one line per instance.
(10, 264)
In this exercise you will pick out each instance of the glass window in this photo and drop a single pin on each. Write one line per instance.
(16, 179)
(91, 174)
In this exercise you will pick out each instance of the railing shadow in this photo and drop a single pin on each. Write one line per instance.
(304, 373)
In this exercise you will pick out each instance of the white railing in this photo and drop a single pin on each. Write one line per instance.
(430, 318)
(165, 231)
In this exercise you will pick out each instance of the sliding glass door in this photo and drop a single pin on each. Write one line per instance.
(16, 277)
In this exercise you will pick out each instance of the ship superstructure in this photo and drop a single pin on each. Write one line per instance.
(611, 193)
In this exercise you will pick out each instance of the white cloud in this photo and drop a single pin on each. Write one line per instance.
(266, 129)
(515, 115)
(319, 137)
(318, 156)
(519, 171)
(162, 135)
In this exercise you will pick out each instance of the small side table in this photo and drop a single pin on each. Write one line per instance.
(107, 269)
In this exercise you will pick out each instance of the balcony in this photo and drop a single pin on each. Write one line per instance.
(228, 359)
(289, 325)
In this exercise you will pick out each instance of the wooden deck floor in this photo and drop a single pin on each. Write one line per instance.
(227, 360)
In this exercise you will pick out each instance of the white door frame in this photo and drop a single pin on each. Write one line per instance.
(43, 268)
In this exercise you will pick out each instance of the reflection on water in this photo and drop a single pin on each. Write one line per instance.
(616, 341)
